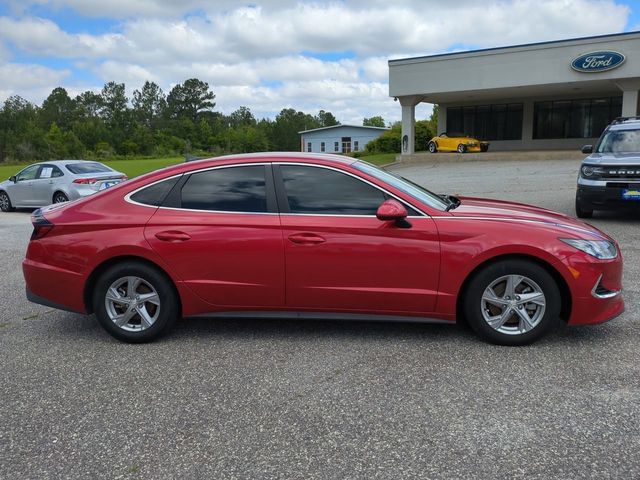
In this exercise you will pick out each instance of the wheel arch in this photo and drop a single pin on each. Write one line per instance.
(59, 190)
(565, 293)
(108, 263)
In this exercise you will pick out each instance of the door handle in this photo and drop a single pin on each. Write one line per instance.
(172, 236)
(306, 238)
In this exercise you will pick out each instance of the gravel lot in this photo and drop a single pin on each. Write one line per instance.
(285, 399)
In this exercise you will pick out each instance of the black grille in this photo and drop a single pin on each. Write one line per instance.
(622, 172)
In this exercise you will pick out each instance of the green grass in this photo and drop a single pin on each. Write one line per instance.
(380, 158)
(131, 167)
(137, 166)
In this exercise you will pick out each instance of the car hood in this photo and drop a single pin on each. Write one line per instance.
(487, 209)
(613, 158)
(5, 183)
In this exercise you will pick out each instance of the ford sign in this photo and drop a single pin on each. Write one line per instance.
(597, 61)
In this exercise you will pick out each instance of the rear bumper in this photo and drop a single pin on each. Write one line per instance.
(53, 286)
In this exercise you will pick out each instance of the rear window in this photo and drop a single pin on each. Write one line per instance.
(88, 167)
(155, 194)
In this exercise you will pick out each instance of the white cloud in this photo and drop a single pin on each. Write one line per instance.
(251, 53)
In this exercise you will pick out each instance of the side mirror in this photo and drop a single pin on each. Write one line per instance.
(13, 179)
(587, 149)
(393, 210)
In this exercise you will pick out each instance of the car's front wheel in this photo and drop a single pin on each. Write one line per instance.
(462, 148)
(135, 302)
(60, 197)
(5, 202)
(512, 302)
(432, 147)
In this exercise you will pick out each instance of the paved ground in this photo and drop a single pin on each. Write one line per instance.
(285, 399)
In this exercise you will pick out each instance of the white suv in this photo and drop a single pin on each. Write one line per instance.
(609, 177)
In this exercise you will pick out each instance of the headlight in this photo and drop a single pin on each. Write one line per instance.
(602, 249)
(589, 171)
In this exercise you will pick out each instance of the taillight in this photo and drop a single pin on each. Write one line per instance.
(85, 181)
(41, 226)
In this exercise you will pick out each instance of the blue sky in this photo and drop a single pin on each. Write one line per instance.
(268, 55)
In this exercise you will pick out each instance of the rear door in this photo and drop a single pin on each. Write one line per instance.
(47, 181)
(340, 257)
(219, 231)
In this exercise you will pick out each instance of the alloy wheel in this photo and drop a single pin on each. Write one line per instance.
(132, 304)
(4, 202)
(513, 304)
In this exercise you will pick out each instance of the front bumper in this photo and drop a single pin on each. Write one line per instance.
(596, 287)
(602, 195)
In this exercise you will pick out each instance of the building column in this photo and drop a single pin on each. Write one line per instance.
(442, 120)
(407, 140)
(629, 103)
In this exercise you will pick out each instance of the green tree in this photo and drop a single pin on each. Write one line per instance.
(284, 133)
(189, 99)
(376, 121)
(326, 119)
(241, 117)
(114, 103)
(148, 103)
(58, 108)
(88, 104)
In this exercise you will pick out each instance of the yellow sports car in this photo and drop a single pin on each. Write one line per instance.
(456, 142)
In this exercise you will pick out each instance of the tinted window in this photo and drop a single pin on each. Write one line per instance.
(88, 167)
(323, 191)
(155, 194)
(234, 189)
(28, 173)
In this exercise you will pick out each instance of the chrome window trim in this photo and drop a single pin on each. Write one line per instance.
(404, 202)
(128, 199)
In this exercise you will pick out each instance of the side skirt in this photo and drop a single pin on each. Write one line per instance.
(363, 317)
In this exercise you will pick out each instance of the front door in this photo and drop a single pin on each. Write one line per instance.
(340, 257)
(346, 144)
(21, 192)
(222, 237)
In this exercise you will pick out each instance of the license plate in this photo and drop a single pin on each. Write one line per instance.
(107, 185)
(631, 194)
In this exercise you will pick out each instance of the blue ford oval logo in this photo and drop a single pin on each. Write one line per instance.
(597, 61)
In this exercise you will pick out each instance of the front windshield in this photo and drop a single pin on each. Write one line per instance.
(620, 141)
(416, 191)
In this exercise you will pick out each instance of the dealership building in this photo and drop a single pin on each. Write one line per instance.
(541, 96)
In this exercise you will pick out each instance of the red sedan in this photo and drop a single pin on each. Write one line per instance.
(316, 236)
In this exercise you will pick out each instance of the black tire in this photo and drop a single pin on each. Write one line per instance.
(5, 202)
(433, 148)
(462, 148)
(582, 212)
(60, 197)
(168, 302)
(536, 281)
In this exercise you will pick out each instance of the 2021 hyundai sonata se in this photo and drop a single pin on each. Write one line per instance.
(316, 236)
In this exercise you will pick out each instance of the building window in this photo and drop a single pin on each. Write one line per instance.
(322, 146)
(355, 146)
(583, 118)
(308, 146)
(486, 122)
(336, 146)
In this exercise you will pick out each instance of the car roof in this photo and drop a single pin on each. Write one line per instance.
(634, 125)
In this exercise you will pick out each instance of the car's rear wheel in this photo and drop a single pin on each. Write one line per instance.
(5, 202)
(512, 302)
(432, 147)
(582, 212)
(135, 303)
(60, 197)
(462, 148)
